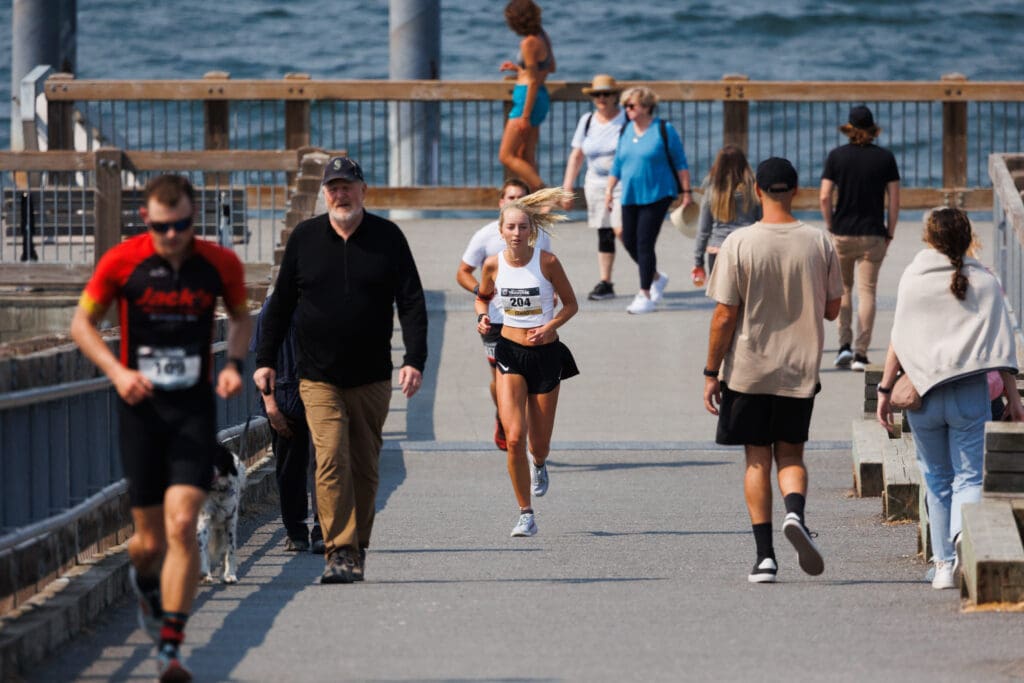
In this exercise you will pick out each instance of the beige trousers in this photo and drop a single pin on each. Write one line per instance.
(346, 426)
(860, 256)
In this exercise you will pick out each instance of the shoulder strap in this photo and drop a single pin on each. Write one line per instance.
(586, 126)
(663, 128)
(623, 129)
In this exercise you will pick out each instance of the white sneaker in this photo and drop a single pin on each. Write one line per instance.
(944, 577)
(538, 478)
(658, 287)
(641, 304)
(525, 526)
(764, 571)
(807, 551)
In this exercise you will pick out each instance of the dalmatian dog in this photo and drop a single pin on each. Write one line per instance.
(218, 520)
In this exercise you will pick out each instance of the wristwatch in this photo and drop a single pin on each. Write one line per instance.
(883, 390)
(711, 373)
(480, 317)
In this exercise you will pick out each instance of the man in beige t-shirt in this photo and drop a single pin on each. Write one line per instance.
(775, 282)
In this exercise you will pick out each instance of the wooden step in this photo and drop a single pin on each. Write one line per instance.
(1004, 459)
(869, 439)
(901, 480)
(992, 554)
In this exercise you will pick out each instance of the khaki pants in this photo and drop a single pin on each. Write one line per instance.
(863, 255)
(346, 426)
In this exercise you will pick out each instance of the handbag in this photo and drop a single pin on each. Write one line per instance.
(904, 395)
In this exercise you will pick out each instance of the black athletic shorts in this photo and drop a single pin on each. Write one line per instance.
(490, 339)
(762, 419)
(542, 366)
(168, 439)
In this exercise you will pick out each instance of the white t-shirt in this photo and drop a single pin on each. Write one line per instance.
(599, 144)
(486, 242)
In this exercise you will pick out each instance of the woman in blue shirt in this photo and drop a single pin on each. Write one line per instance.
(651, 165)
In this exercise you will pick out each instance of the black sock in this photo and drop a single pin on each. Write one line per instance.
(763, 540)
(147, 584)
(173, 631)
(795, 503)
(524, 511)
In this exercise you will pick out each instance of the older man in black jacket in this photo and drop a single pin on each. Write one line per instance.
(342, 275)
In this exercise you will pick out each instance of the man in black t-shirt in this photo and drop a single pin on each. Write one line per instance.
(862, 175)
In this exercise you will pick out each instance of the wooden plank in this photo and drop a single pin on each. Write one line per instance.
(432, 90)
(992, 553)
(1004, 436)
(901, 480)
(219, 160)
(1003, 482)
(431, 197)
(61, 160)
(866, 450)
(1002, 461)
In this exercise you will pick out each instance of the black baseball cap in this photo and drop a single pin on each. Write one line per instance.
(776, 174)
(342, 168)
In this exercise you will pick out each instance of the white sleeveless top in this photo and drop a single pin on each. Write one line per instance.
(527, 297)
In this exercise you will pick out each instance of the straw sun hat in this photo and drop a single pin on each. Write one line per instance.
(602, 83)
(685, 220)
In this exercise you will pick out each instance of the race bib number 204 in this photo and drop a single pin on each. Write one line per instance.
(169, 368)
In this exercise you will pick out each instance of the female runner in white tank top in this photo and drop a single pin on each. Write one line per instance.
(530, 360)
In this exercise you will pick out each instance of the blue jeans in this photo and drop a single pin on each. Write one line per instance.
(949, 434)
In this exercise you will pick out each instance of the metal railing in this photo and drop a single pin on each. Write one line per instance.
(60, 444)
(941, 131)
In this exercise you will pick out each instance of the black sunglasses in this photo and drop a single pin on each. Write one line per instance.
(595, 95)
(178, 226)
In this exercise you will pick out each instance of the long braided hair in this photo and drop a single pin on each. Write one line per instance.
(949, 232)
(538, 208)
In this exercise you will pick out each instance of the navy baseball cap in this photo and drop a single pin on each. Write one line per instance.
(342, 168)
(776, 174)
(860, 117)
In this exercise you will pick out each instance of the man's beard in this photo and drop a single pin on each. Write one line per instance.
(342, 214)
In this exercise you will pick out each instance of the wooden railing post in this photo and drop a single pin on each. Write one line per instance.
(107, 208)
(216, 124)
(954, 137)
(60, 122)
(296, 117)
(735, 112)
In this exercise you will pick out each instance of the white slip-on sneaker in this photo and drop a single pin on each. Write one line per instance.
(658, 287)
(640, 305)
(807, 551)
(526, 526)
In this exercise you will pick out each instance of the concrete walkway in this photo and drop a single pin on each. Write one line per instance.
(639, 569)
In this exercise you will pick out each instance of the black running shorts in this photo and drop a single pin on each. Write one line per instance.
(762, 419)
(168, 439)
(542, 366)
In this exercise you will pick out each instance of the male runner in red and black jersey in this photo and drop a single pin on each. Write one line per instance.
(166, 283)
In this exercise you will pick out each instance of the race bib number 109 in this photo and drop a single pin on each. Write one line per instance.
(169, 368)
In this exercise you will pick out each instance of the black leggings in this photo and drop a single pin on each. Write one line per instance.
(641, 224)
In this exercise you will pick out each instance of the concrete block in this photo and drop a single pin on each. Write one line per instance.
(867, 457)
(901, 478)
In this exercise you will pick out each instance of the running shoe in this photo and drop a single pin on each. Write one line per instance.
(150, 611)
(944, 576)
(844, 356)
(499, 435)
(525, 526)
(641, 304)
(169, 667)
(658, 287)
(796, 533)
(538, 478)
(860, 363)
(764, 571)
(602, 290)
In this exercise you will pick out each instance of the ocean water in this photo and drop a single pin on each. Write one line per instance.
(654, 39)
